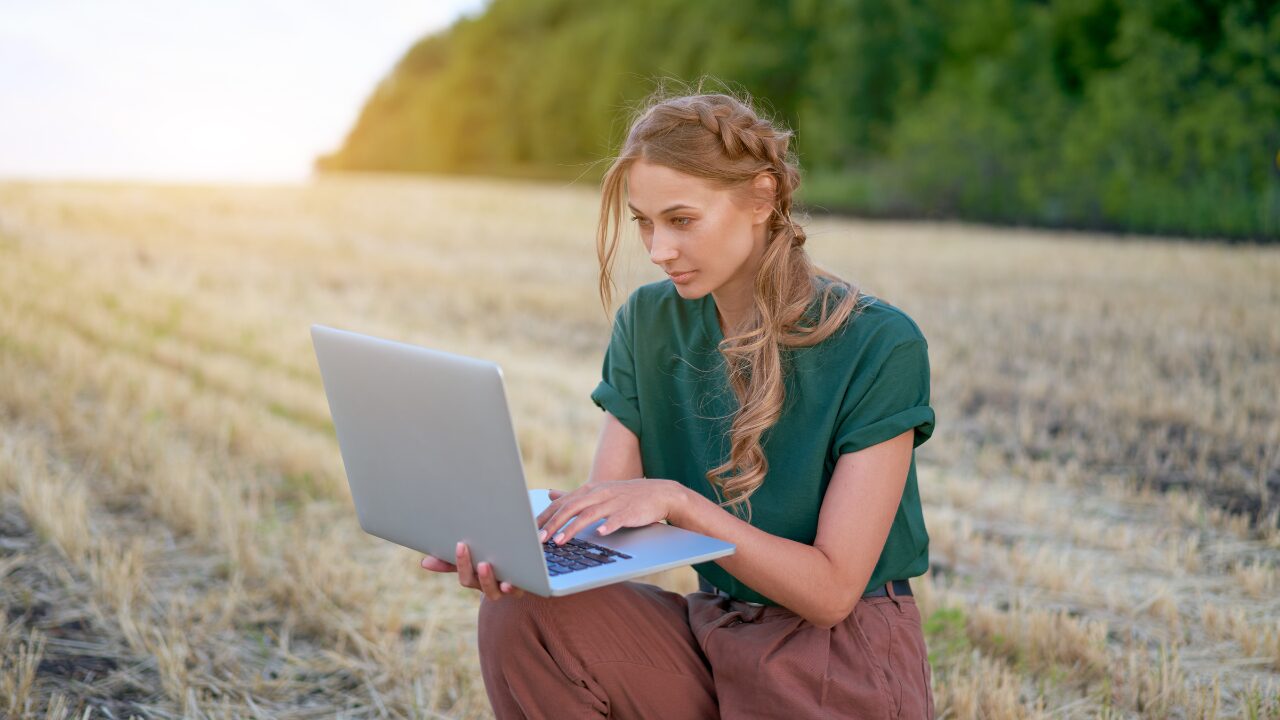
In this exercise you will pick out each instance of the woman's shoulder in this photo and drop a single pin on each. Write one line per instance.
(873, 320)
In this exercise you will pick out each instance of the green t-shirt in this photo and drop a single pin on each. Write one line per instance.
(868, 382)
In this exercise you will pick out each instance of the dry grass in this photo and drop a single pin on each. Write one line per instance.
(21, 658)
(176, 536)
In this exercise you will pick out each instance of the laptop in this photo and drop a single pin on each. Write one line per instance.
(430, 453)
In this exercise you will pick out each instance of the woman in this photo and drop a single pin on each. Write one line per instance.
(750, 397)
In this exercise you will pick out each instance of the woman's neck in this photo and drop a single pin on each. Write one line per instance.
(730, 310)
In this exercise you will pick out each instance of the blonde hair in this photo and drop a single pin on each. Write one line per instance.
(723, 139)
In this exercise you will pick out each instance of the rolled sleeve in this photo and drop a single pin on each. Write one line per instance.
(617, 392)
(897, 400)
(608, 398)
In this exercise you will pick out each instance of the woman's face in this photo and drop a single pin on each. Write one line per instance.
(703, 239)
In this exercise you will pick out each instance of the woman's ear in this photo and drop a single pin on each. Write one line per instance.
(765, 192)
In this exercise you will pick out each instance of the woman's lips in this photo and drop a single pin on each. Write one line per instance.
(682, 278)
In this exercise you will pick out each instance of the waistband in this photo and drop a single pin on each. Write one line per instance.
(900, 587)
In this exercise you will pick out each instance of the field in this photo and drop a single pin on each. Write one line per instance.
(176, 534)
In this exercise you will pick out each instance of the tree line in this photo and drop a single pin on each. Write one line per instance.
(1158, 116)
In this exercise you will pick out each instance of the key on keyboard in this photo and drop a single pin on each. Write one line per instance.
(577, 555)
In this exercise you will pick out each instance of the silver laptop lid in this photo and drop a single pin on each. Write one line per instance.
(430, 452)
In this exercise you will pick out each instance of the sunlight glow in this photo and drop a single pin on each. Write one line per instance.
(225, 91)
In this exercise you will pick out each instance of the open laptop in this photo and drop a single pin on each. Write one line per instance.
(431, 457)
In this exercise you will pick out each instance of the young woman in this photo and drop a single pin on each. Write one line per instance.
(754, 398)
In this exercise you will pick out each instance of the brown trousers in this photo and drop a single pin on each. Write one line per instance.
(634, 650)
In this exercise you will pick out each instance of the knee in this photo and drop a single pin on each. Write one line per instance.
(506, 623)
(510, 622)
(507, 611)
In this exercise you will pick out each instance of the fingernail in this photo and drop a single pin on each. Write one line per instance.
(458, 549)
(423, 563)
(559, 537)
(602, 530)
(542, 536)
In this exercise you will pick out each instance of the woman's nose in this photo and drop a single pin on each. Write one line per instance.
(661, 252)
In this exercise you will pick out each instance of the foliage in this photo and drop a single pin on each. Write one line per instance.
(1138, 115)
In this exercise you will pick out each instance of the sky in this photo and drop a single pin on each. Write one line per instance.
(187, 90)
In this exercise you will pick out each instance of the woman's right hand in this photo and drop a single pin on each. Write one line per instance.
(479, 577)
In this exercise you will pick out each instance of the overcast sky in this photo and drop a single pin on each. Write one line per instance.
(223, 90)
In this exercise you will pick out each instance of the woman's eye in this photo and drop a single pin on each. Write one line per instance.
(681, 220)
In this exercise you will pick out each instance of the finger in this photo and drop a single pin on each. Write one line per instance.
(557, 522)
(626, 516)
(488, 583)
(585, 518)
(466, 573)
(575, 504)
(436, 564)
(547, 512)
(510, 589)
(561, 498)
(613, 521)
(556, 503)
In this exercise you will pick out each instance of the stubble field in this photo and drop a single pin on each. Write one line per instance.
(176, 535)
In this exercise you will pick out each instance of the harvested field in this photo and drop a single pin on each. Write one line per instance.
(176, 534)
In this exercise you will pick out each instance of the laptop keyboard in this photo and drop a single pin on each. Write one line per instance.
(577, 555)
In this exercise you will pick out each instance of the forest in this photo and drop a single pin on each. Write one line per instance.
(1140, 116)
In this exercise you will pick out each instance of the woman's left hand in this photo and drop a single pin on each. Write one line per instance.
(623, 503)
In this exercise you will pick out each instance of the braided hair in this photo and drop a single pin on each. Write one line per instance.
(724, 140)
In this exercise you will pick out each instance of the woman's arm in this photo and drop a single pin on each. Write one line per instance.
(821, 582)
(617, 453)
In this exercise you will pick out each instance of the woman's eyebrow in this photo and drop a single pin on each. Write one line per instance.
(677, 206)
